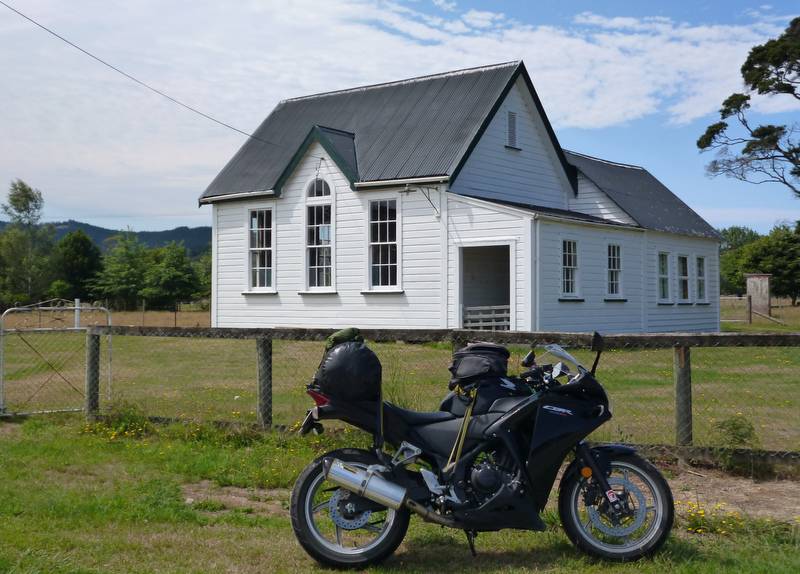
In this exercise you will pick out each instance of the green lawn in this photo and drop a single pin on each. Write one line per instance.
(214, 379)
(73, 501)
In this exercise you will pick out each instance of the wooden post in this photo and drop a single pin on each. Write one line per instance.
(750, 309)
(682, 373)
(264, 357)
(92, 391)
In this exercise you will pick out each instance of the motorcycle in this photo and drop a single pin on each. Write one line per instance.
(486, 461)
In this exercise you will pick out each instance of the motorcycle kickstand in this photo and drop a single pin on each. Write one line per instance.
(471, 534)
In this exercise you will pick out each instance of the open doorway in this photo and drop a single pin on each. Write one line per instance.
(486, 288)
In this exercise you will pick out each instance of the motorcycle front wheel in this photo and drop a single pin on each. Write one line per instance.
(642, 528)
(328, 525)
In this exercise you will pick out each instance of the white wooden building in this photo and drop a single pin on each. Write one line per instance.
(443, 202)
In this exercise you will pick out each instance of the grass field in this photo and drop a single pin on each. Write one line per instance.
(214, 379)
(77, 499)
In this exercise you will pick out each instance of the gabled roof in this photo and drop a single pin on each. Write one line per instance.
(648, 201)
(420, 127)
(339, 145)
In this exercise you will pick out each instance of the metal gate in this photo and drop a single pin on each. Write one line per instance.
(43, 356)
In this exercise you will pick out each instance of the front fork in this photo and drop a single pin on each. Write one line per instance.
(586, 459)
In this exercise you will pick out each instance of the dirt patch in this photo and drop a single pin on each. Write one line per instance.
(9, 430)
(776, 499)
(266, 502)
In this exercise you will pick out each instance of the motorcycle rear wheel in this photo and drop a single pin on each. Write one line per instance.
(329, 535)
(589, 525)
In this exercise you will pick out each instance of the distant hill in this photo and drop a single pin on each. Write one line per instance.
(196, 239)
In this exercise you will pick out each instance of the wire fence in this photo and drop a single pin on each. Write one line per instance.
(742, 389)
(43, 357)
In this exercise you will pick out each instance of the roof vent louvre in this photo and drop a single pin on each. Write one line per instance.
(511, 129)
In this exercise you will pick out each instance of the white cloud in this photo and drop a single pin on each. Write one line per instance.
(445, 5)
(482, 18)
(94, 142)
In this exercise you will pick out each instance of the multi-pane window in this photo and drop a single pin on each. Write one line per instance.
(614, 270)
(383, 243)
(683, 277)
(569, 267)
(701, 278)
(663, 276)
(260, 246)
(511, 129)
(319, 188)
(318, 245)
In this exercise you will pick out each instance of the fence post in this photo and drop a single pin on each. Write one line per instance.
(264, 357)
(92, 392)
(749, 309)
(682, 374)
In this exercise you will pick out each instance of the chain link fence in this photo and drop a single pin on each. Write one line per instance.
(43, 357)
(738, 396)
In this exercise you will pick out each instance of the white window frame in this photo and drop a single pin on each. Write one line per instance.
(701, 278)
(576, 293)
(273, 287)
(682, 278)
(619, 294)
(315, 202)
(660, 276)
(512, 128)
(369, 199)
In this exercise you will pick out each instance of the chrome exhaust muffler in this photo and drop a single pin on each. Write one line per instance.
(365, 482)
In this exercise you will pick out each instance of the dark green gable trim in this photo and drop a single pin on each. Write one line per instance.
(569, 170)
(317, 134)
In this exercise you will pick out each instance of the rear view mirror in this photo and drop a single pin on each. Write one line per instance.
(597, 342)
(529, 359)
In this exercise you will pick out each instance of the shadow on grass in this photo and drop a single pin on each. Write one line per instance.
(544, 551)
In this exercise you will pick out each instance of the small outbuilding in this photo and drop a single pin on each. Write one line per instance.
(446, 201)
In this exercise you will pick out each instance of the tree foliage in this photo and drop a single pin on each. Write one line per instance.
(760, 153)
(737, 236)
(170, 277)
(25, 247)
(24, 205)
(779, 254)
(76, 260)
(122, 277)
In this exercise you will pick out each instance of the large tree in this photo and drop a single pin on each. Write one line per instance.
(764, 153)
(122, 277)
(25, 204)
(170, 278)
(25, 247)
(76, 260)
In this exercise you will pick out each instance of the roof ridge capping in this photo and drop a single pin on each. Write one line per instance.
(606, 161)
(336, 130)
(451, 73)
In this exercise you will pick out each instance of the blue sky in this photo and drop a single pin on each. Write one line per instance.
(635, 82)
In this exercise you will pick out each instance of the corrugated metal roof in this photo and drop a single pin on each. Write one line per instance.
(648, 201)
(411, 128)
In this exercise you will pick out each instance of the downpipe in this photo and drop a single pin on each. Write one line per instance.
(372, 486)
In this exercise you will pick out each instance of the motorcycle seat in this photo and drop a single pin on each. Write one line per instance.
(416, 418)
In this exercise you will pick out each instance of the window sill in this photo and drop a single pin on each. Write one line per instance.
(261, 292)
(615, 300)
(703, 303)
(318, 292)
(685, 303)
(571, 300)
(666, 303)
(383, 291)
(515, 148)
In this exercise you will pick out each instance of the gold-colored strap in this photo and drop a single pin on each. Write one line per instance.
(455, 454)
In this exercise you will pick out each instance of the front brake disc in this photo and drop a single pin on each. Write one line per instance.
(623, 529)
